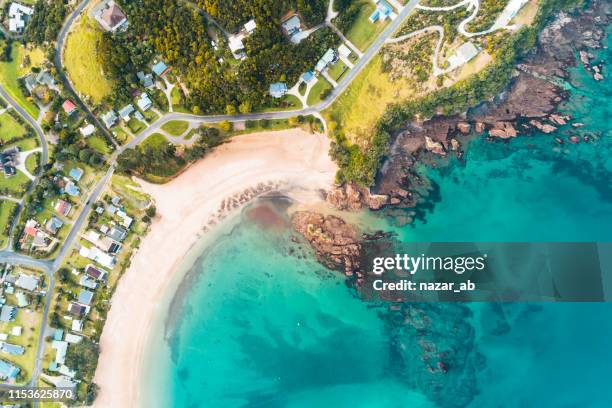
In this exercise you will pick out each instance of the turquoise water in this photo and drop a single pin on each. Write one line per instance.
(259, 323)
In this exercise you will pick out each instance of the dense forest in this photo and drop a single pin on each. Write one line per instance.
(232, 13)
(46, 21)
(178, 34)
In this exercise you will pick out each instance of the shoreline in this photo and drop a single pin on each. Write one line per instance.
(226, 179)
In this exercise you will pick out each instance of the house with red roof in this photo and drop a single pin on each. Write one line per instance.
(69, 107)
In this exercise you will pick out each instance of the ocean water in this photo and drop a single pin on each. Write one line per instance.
(258, 322)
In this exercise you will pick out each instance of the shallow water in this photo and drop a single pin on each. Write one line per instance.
(260, 323)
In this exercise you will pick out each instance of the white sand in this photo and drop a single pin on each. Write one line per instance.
(184, 207)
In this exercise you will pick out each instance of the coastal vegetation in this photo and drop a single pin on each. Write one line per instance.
(217, 82)
(360, 165)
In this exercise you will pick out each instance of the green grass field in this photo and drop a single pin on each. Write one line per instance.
(363, 33)
(81, 62)
(98, 143)
(11, 71)
(319, 88)
(32, 162)
(136, 126)
(155, 140)
(176, 127)
(10, 128)
(14, 186)
(6, 211)
(25, 144)
(337, 70)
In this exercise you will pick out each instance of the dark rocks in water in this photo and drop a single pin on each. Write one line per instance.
(351, 197)
(336, 243)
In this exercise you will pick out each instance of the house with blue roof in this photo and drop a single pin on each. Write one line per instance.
(58, 334)
(160, 69)
(12, 349)
(126, 111)
(8, 371)
(278, 89)
(308, 76)
(76, 173)
(72, 190)
(383, 11)
(85, 297)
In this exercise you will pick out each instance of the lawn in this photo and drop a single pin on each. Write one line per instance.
(176, 127)
(337, 70)
(154, 141)
(14, 186)
(32, 162)
(136, 126)
(10, 128)
(359, 108)
(120, 135)
(6, 211)
(25, 144)
(98, 143)
(363, 33)
(175, 96)
(319, 89)
(11, 70)
(81, 62)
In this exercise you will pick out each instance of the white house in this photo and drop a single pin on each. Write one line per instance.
(18, 17)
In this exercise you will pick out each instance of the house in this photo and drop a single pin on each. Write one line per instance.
(45, 78)
(87, 130)
(77, 325)
(88, 283)
(111, 17)
(146, 80)
(291, 25)
(109, 118)
(236, 46)
(126, 220)
(53, 225)
(117, 233)
(12, 349)
(160, 69)
(69, 107)
(96, 255)
(327, 58)
(85, 297)
(31, 228)
(18, 17)
(61, 347)
(250, 26)
(463, 55)
(72, 190)
(382, 12)
(9, 159)
(8, 371)
(126, 111)
(73, 338)
(76, 173)
(77, 309)
(8, 313)
(95, 273)
(144, 102)
(27, 282)
(344, 51)
(22, 300)
(105, 243)
(308, 76)
(16, 331)
(278, 89)
(62, 207)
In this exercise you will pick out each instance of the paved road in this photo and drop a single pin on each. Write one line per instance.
(50, 266)
(59, 57)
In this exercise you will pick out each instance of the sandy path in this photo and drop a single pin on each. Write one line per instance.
(184, 207)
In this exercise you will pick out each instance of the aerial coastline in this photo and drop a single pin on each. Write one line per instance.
(192, 202)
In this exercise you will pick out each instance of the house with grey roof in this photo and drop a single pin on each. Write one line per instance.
(8, 313)
(27, 282)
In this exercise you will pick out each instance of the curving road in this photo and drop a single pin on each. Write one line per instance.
(49, 266)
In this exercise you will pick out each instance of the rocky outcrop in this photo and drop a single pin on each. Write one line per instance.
(503, 130)
(350, 197)
(542, 127)
(434, 147)
(335, 242)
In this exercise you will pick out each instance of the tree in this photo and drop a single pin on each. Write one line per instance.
(245, 107)
(230, 110)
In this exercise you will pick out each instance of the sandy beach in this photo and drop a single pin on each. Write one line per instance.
(212, 188)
